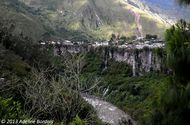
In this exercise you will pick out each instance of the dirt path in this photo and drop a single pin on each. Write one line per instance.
(109, 113)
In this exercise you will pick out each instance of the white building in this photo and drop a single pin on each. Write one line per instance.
(67, 42)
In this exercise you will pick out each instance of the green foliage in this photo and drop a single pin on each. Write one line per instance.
(23, 46)
(136, 95)
(154, 99)
(173, 105)
(178, 49)
(118, 68)
(93, 63)
(106, 17)
(10, 109)
(13, 64)
(77, 121)
(149, 36)
(26, 22)
(36, 87)
(184, 2)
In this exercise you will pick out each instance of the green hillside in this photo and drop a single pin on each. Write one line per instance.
(77, 19)
(96, 18)
(22, 17)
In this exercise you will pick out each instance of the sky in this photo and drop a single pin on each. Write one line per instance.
(170, 7)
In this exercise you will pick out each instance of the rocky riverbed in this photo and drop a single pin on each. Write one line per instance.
(109, 113)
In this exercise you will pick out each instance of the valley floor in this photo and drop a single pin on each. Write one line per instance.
(109, 113)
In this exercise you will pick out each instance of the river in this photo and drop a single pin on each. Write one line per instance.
(109, 113)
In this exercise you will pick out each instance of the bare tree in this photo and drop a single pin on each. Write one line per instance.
(73, 69)
(56, 98)
(50, 97)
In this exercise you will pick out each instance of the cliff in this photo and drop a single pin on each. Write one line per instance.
(142, 60)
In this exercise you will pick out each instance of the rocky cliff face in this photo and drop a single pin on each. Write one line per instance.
(142, 60)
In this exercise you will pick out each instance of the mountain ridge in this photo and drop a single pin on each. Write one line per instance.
(98, 18)
(86, 19)
(171, 9)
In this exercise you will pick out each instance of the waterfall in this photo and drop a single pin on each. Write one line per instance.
(106, 56)
(106, 91)
(149, 60)
(105, 64)
(141, 60)
(134, 65)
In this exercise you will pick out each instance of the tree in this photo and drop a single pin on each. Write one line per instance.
(174, 103)
(54, 97)
(10, 109)
(184, 2)
(178, 50)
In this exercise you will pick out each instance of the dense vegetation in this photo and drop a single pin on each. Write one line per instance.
(184, 2)
(155, 98)
(80, 19)
(32, 23)
(174, 104)
(33, 86)
(135, 95)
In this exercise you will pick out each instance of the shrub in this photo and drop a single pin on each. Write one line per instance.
(10, 109)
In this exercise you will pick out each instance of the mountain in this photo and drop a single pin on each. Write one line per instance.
(81, 19)
(13, 12)
(170, 8)
(98, 18)
(22, 19)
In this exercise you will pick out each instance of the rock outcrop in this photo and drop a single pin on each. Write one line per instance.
(109, 113)
(142, 59)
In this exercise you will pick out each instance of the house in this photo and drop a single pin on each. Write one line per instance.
(67, 42)
(42, 43)
(105, 43)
